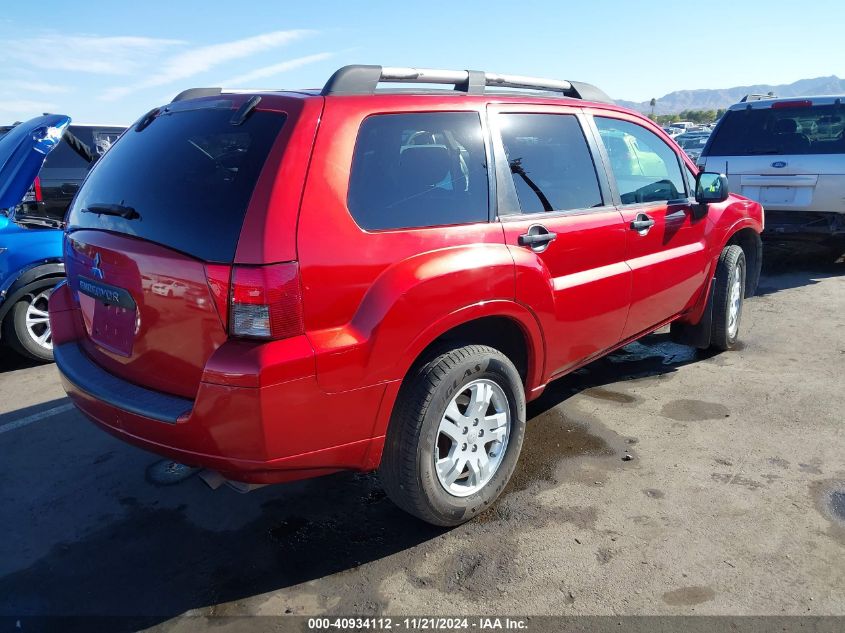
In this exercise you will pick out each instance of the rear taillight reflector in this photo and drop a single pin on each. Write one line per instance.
(266, 301)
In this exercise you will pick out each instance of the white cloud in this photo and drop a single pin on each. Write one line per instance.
(26, 109)
(203, 58)
(275, 69)
(42, 87)
(85, 53)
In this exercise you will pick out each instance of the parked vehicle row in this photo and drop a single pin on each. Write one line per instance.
(693, 143)
(278, 285)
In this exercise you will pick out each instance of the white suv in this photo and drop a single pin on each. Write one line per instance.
(789, 155)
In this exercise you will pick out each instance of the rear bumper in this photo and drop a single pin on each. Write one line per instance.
(259, 434)
(804, 225)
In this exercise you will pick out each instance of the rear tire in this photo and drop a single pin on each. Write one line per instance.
(26, 327)
(461, 393)
(728, 296)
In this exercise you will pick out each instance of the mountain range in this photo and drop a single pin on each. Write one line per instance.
(679, 100)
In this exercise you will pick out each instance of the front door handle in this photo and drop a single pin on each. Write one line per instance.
(537, 238)
(642, 223)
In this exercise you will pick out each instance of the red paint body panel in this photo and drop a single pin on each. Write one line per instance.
(269, 230)
(579, 287)
(267, 411)
(177, 327)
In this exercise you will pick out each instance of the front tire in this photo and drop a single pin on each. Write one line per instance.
(27, 326)
(728, 296)
(455, 435)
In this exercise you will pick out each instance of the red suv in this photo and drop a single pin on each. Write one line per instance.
(364, 278)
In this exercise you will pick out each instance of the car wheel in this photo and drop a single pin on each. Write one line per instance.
(728, 295)
(27, 326)
(455, 435)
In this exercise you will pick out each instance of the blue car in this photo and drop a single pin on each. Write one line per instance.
(30, 245)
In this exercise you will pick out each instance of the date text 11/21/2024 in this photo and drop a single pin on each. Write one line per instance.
(418, 624)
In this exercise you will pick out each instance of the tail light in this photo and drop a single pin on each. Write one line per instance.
(34, 193)
(264, 302)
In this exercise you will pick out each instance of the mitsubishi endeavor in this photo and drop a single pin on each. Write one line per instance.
(380, 278)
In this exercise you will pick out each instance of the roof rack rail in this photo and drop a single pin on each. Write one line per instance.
(196, 93)
(361, 79)
(757, 97)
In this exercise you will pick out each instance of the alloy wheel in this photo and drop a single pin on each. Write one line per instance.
(38, 320)
(472, 438)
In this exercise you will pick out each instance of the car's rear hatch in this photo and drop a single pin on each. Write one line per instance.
(788, 155)
(23, 149)
(152, 232)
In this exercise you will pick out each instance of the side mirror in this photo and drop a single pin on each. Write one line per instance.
(711, 187)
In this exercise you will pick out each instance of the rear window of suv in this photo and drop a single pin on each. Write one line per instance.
(780, 130)
(183, 181)
(419, 170)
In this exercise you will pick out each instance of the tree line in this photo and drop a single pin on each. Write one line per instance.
(696, 116)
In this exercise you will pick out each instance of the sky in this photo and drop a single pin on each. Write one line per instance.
(101, 61)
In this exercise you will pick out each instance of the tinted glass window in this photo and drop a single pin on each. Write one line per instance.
(690, 181)
(188, 176)
(64, 157)
(416, 170)
(646, 169)
(550, 162)
(783, 130)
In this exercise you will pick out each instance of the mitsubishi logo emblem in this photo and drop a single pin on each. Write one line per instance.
(96, 271)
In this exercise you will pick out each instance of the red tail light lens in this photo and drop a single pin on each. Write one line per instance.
(266, 302)
(34, 193)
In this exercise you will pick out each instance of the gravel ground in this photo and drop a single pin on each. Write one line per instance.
(659, 480)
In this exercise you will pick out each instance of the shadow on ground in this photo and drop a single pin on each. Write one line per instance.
(12, 361)
(25, 412)
(153, 563)
(793, 268)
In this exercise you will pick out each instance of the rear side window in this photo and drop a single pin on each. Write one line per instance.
(646, 169)
(64, 157)
(183, 181)
(418, 170)
(781, 130)
(98, 140)
(550, 162)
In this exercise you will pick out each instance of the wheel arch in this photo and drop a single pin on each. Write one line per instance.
(752, 246)
(473, 324)
(504, 333)
(31, 279)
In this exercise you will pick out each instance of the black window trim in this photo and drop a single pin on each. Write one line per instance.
(605, 159)
(488, 153)
(507, 199)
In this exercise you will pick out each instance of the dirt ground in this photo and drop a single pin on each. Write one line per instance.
(659, 480)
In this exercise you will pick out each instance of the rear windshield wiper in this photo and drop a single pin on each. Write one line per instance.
(28, 220)
(755, 152)
(119, 210)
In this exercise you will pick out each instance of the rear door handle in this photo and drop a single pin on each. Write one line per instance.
(642, 223)
(526, 239)
(537, 238)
